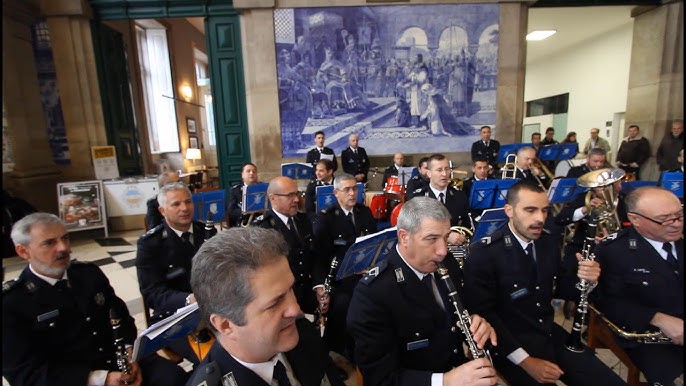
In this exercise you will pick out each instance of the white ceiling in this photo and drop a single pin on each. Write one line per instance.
(574, 25)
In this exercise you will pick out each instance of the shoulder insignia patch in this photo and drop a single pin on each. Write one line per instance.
(399, 277)
(632, 244)
(417, 191)
(8, 285)
(486, 240)
(508, 240)
(610, 237)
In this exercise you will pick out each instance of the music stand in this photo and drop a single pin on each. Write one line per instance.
(674, 182)
(482, 194)
(297, 170)
(368, 251)
(567, 151)
(511, 148)
(563, 190)
(255, 198)
(501, 191)
(628, 186)
(489, 222)
(404, 174)
(549, 153)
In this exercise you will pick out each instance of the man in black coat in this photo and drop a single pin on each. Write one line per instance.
(262, 336)
(296, 228)
(668, 151)
(642, 286)
(355, 160)
(480, 170)
(596, 158)
(56, 326)
(235, 207)
(400, 315)
(420, 181)
(336, 229)
(323, 172)
(315, 154)
(486, 148)
(633, 152)
(455, 200)
(398, 161)
(511, 278)
(153, 217)
(525, 169)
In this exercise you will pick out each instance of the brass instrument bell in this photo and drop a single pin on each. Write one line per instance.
(600, 182)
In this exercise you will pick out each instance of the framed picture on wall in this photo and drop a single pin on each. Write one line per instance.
(193, 142)
(190, 123)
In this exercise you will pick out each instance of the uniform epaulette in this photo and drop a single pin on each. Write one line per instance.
(419, 190)
(152, 231)
(497, 236)
(9, 285)
(612, 237)
(237, 185)
(374, 272)
(208, 375)
(546, 231)
(258, 219)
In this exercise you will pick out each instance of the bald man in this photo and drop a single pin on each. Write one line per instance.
(398, 161)
(355, 159)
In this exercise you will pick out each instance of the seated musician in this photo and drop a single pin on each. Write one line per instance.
(262, 336)
(164, 256)
(401, 318)
(249, 177)
(596, 158)
(642, 286)
(420, 181)
(480, 169)
(398, 161)
(47, 339)
(527, 169)
(336, 229)
(324, 176)
(153, 217)
(510, 278)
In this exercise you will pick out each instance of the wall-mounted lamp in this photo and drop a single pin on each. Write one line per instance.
(192, 153)
(187, 92)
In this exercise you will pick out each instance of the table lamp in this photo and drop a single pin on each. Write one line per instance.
(193, 153)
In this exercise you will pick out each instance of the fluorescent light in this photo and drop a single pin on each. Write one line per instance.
(540, 34)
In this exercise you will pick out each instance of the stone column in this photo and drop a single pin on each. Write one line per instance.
(35, 173)
(656, 82)
(511, 71)
(77, 79)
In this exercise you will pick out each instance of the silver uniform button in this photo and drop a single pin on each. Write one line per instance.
(455, 351)
(88, 318)
(416, 334)
(95, 333)
(515, 286)
(453, 329)
(537, 288)
(538, 304)
(540, 320)
(100, 349)
(52, 324)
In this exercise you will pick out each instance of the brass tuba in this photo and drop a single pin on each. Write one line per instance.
(455, 181)
(601, 184)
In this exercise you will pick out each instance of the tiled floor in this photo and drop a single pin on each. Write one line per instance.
(116, 257)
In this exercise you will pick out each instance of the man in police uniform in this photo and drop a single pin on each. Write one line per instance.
(153, 217)
(262, 337)
(296, 229)
(401, 318)
(525, 169)
(355, 160)
(642, 286)
(164, 256)
(398, 161)
(486, 148)
(323, 172)
(248, 177)
(455, 200)
(511, 278)
(56, 326)
(420, 181)
(315, 154)
(336, 229)
(595, 159)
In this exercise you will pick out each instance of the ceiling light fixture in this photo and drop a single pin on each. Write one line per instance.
(540, 34)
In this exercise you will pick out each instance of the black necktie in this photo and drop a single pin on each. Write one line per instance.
(186, 237)
(280, 374)
(351, 218)
(292, 227)
(62, 285)
(486, 143)
(530, 251)
(671, 259)
(355, 151)
(440, 198)
(428, 281)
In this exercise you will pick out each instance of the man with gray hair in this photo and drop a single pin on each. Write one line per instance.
(56, 326)
(596, 158)
(163, 259)
(153, 217)
(243, 285)
(526, 169)
(401, 317)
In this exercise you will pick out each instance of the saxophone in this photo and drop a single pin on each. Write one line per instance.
(649, 337)
(463, 318)
(320, 321)
(573, 342)
(120, 350)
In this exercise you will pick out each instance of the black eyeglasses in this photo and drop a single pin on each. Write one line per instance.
(290, 195)
(667, 222)
(348, 189)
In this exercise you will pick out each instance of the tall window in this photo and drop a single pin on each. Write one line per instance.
(158, 89)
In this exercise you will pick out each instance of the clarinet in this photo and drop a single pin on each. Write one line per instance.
(209, 225)
(463, 317)
(573, 342)
(328, 287)
(120, 350)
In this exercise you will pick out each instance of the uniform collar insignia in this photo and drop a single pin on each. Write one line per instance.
(229, 380)
(399, 277)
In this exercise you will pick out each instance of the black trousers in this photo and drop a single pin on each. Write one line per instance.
(159, 371)
(661, 363)
(580, 369)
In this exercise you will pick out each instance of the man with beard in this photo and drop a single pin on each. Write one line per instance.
(248, 177)
(244, 289)
(420, 181)
(511, 278)
(56, 326)
(296, 229)
(642, 287)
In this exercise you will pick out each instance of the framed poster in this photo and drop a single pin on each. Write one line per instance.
(190, 123)
(81, 205)
(193, 142)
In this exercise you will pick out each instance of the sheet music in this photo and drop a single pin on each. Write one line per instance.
(323, 156)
